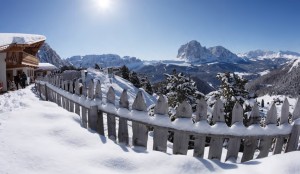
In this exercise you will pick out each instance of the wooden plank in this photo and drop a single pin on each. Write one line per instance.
(216, 143)
(264, 147)
(233, 149)
(111, 119)
(278, 145)
(160, 135)
(77, 109)
(46, 93)
(140, 131)
(296, 112)
(266, 143)
(250, 145)
(84, 117)
(123, 127)
(218, 112)
(199, 145)
(71, 106)
(293, 139)
(98, 92)
(92, 118)
(91, 89)
(59, 100)
(160, 138)
(285, 112)
(201, 110)
(180, 143)
(235, 143)
(100, 123)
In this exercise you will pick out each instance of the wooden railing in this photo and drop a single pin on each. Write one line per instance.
(87, 102)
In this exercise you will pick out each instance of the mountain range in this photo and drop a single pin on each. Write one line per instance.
(193, 59)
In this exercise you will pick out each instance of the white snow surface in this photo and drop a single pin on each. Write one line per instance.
(40, 137)
(19, 38)
(119, 84)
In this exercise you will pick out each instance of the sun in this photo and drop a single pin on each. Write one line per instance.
(104, 4)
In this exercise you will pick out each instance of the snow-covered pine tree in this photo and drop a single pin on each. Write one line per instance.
(232, 89)
(180, 88)
(134, 79)
(125, 72)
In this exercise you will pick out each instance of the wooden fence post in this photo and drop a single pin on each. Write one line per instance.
(111, 119)
(294, 137)
(98, 96)
(160, 135)
(235, 143)
(200, 140)
(93, 111)
(123, 127)
(84, 116)
(71, 90)
(250, 144)
(216, 143)
(140, 131)
(181, 139)
(283, 119)
(266, 143)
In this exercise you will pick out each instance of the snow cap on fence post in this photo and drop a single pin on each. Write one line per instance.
(91, 89)
(237, 113)
(254, 116)
(218, 112)
(98, 92)
(296, 112)
(201, 110)
(272, 115)
(111, 95)
(284, 112)
(139, 102)
(184, 110)
(161, 106)
(124, 99)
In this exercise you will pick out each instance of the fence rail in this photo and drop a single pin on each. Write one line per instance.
(87, 102)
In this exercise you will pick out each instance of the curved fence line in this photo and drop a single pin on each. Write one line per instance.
(87, 101)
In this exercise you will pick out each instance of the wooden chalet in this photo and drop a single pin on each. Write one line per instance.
(17, 55)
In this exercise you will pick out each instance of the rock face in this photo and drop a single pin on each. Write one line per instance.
(47, 55)
(104, 60)
(193, 52)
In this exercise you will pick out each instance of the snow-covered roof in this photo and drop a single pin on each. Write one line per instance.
(46, 66)
(7, 39)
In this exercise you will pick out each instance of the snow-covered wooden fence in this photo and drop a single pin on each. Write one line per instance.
(87, 102)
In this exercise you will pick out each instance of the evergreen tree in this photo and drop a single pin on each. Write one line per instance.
(180, 88)
(97, 66)
(134, 79)
(125, 72)
(232, 89)
(148, 88)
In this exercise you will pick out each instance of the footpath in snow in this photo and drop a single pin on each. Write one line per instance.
(38, 137)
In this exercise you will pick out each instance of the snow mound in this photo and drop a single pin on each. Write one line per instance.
(119, 84)
(18, 38)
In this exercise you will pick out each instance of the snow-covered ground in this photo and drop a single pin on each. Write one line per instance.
(39, 137)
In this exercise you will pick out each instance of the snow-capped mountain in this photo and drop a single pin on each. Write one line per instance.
(104, 60)
(261, 54)
(193, 52)
(47, 55)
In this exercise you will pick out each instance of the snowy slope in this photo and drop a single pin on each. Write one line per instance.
(38, 137)
(119, 84)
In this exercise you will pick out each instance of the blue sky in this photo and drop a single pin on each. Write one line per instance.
(155, 29)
